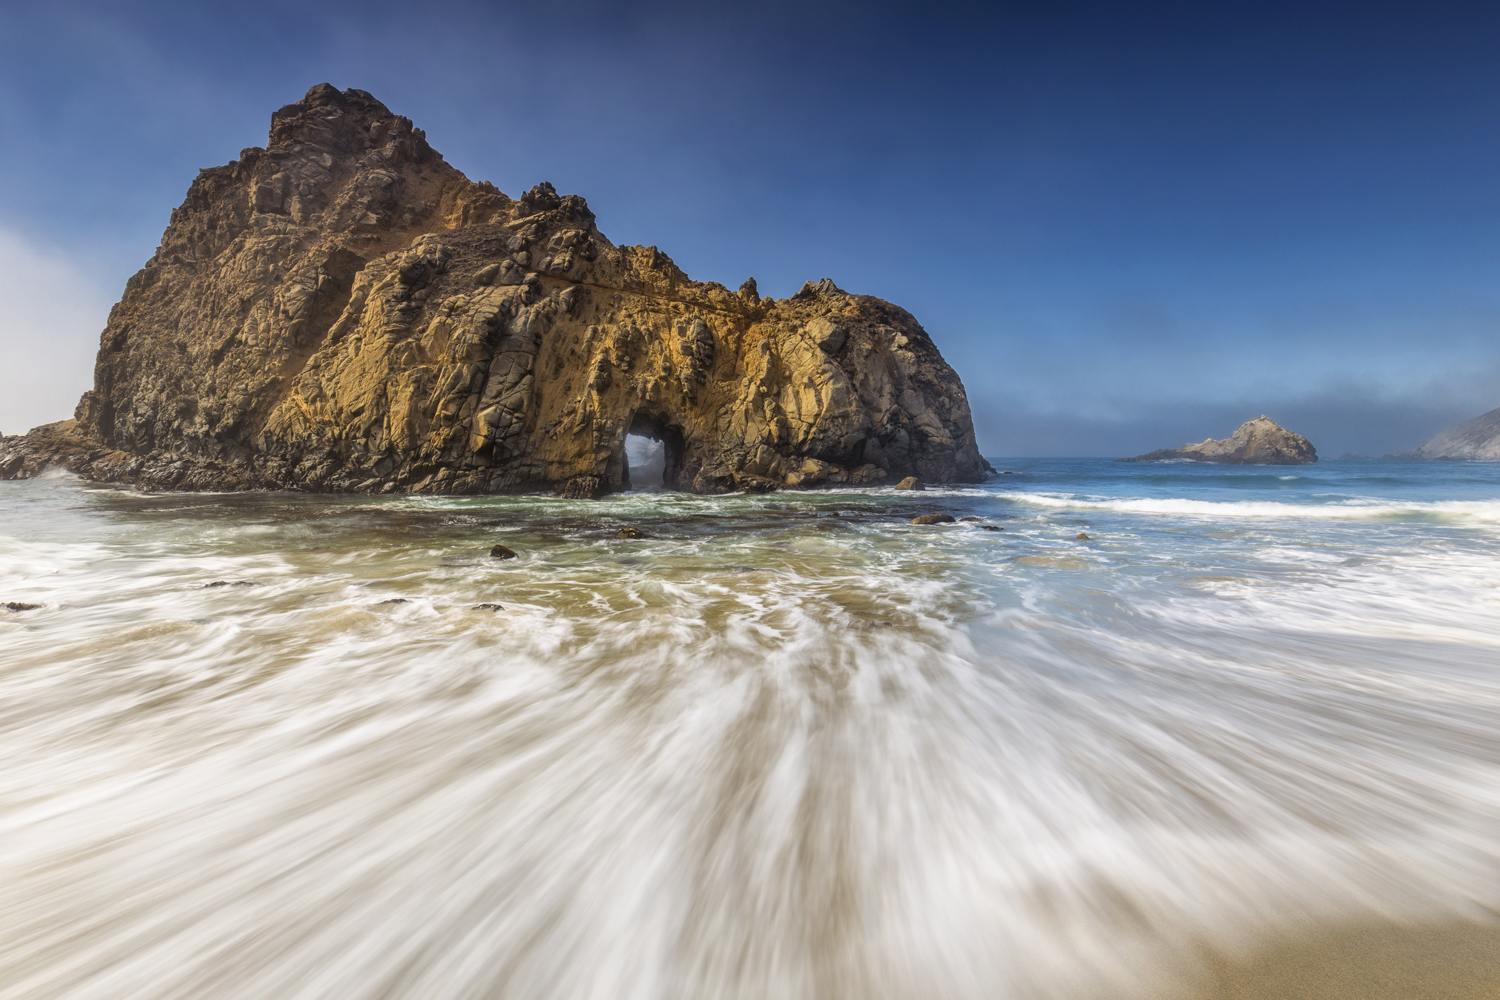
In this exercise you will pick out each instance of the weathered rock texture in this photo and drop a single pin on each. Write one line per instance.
(1476, 440)
(1257, 442)
(345, 311)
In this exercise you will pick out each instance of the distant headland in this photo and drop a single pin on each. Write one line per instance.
(1476, 440)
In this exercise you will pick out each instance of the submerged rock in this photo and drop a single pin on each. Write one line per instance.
(489, 607)
(230, 583)
(345, 311)
(20, 606)
(990, 527)
(393, 600)
(501, 552)
(1081, 537)
(933, 519)
(1257, 442)
(629, 533)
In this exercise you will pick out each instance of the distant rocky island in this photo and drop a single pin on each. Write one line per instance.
(345, 311)
(1476, 440)
(1257, 442)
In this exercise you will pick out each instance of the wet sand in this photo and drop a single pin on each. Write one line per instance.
(1452, 961)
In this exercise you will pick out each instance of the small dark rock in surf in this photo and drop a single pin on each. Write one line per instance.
(630, 533)
(1081, 537)
(933, 519)
(971, 517)
(991, 527)
(395, 600)
(230, 583)
(20, 606)
(911, 483)
(501, 552)
(489, 607)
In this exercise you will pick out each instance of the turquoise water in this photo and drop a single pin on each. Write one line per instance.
(786, 745)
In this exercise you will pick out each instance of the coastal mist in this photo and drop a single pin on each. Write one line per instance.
(785, 745)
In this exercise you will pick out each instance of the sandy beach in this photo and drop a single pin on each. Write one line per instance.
(1449, 961)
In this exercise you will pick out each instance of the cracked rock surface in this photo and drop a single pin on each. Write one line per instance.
(344, 311)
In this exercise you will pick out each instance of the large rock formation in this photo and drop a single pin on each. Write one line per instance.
(1257, 442)
(1476, 440)
(343, 310)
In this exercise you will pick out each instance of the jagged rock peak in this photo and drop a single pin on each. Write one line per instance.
(343, 310)
(1260, 441)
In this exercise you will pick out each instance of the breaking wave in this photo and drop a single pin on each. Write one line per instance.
(1457, 510)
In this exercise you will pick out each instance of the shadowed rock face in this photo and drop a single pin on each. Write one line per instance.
(1257, 442)
(345, 311)
(1476, 440)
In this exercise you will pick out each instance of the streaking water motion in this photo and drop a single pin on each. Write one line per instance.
(763, 751)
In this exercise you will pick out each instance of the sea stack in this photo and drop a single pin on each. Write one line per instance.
(1257, 442)
(1476, 440)
(344, 311)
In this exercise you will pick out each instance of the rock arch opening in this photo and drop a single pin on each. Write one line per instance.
(652, 457)
(645, 460)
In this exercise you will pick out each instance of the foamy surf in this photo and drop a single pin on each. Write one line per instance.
(761, 751)
(1366, 509)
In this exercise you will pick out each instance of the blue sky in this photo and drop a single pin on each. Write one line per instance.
(1125, 225)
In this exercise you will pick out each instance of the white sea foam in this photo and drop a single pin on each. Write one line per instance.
(1485, 511)
(747, 757)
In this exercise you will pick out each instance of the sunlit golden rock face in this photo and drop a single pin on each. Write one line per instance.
(343, 310)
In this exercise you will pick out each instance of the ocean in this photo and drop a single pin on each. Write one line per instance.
(784, 745)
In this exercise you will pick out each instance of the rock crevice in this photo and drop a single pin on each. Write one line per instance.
(343, 310)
